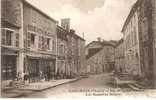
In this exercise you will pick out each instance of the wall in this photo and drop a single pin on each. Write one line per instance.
(11, 12)
(119, 58)
(42, 25)
(131, 44)
(102, 61)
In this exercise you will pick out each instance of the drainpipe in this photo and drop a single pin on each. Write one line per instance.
(20, 59)
(0, 45)
(56, 65)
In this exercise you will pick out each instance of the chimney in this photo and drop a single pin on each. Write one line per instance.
(72, 31)
(65, 23)
(99, 39)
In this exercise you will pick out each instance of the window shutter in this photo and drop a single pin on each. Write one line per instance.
(29, 39)
(3, 37)
(17, 39)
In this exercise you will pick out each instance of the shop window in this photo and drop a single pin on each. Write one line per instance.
(8, 67)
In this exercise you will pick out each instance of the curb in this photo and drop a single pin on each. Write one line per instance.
(135, 88)
(20, 95)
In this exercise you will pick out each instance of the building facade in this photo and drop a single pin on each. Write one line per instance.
(40, 37)
(147, 29)
(29, 42)
(100, 57)
(11, 28)
(119, 57)
(34, 45)
(142, 19)
(62, 70)
(81, 56)
(131, 43)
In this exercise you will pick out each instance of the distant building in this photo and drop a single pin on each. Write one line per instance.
(119, 57)
(100, 57)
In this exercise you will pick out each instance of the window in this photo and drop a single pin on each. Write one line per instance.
(7, 37)
(31, 40)
(48, 43)
(61, 49)
(17, 39)
(40, 42)
(53, 45)
(145, 31)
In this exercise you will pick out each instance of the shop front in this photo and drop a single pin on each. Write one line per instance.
(8, 65)
(40, 68)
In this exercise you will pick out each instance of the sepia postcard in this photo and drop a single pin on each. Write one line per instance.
(78, 48)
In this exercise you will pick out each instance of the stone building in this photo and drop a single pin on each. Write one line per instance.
(100, 57)
(29, 41)
(11, 28)
(76, 54)
(147, 30)
(119, 57)
(62, 51)
(131, 43)
(33, 44)
(40, 35)
(81, 56)
(142, 19)
(75, 51)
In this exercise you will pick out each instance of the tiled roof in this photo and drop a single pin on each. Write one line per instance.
(92, 52)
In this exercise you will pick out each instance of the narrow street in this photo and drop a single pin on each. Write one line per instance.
(94, 85)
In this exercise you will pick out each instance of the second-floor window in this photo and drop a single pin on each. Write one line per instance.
(31, 40)
(44, 43)
(53, 45)
(48, 43)
(10, 37)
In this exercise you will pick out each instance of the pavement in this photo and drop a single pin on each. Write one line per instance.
(94, 85)
(10, 92)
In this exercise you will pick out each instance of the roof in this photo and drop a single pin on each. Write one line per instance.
(108, 43)
(61, 33)
(46, 15)
(79, 37)
(93, 52)
(119, 42)
(132, 11)
(72, 32)
(94, 42)
(104, 43)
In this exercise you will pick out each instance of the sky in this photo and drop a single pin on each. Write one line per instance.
(94, 18)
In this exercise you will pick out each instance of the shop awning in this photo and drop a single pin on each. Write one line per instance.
(39, 56)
